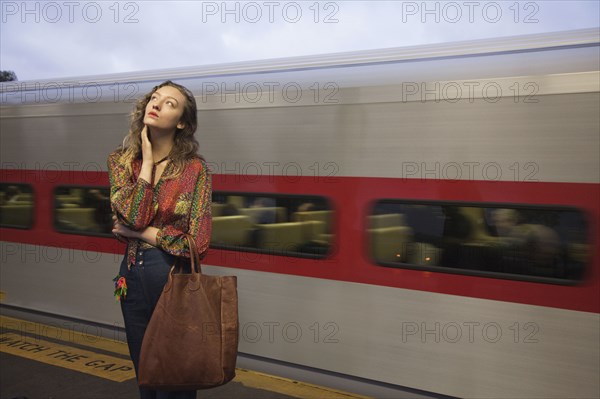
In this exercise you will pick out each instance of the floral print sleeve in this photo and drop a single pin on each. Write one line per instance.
(131, 200)
(171, 237)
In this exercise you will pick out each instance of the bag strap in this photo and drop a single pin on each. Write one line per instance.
(194, 256)
(195, 263)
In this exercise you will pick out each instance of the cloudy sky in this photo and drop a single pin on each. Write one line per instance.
(56, 39)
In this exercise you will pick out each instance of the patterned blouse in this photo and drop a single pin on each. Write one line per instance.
(175, 206)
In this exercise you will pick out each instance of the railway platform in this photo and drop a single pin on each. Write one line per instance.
(44, 360)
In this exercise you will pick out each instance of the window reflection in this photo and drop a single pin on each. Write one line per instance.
(540, 242)
(287, 225)
(83, 210)
(16, 205)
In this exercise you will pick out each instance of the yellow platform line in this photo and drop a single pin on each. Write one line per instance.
(289, 387)
(84, 361)
(84, 338)
(249, 378)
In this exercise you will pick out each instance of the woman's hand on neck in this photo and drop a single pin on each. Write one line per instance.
(156, 144)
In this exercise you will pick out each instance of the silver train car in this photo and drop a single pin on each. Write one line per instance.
(421, 218)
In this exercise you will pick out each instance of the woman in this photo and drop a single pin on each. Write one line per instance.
(160, 190)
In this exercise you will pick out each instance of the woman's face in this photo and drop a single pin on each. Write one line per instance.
(165, 108)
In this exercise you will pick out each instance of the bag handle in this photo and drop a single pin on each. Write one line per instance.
(194, 256)
(195, 264)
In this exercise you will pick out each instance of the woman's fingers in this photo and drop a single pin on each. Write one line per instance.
(144, 134)
(146, 145)
(121, 230)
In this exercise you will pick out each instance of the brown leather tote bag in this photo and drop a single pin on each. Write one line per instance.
(192, 339)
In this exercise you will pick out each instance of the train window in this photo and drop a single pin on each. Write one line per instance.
(508, 241)
(291, 225)
(16, 205)
(83, 210)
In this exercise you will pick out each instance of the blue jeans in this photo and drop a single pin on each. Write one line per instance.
(145, 282)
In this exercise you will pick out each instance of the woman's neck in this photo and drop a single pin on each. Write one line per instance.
(162, 143)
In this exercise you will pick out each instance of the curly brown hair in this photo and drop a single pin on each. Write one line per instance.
(185, 146)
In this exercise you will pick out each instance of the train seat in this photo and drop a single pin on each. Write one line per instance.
(68, 199)
(319, 216)
(16, 214)
(236, 200)
(390, 244)
(578, 252)
(314, 230)
(231, 230)
(77, 218)
(24, 197)
(476, 219)
(387, 220)
(217, 208)
(282, 236)
(276, 214)
(325, 238)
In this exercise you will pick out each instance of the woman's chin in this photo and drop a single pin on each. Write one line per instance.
(149, 121)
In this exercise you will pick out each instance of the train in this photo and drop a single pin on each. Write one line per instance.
(422, 218)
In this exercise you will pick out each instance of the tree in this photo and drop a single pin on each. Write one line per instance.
(7, 76)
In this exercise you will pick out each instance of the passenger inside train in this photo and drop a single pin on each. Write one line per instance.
(541, 242)
(16, 205)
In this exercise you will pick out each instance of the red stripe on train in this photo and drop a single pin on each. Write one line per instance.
(351, 198)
